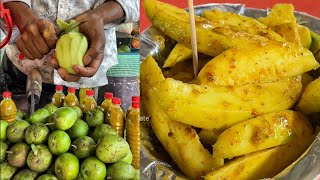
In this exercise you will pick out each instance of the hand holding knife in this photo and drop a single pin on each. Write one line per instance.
(47, 33)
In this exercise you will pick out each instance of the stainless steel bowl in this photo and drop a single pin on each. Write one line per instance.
(155, 162)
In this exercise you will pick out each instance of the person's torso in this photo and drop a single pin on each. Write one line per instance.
(64, 9)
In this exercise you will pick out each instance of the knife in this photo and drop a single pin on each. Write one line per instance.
(46, 33)
(69, 28)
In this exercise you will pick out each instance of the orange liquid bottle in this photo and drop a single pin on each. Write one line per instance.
(82, 93)
(133, 133)
(117, 116)
(133, 99)
(58, 97)
(106, 104)
(71, 99)
(89, 103)
(8, 109)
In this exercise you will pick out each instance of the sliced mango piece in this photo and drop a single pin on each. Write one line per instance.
(305, 36)
(212, 39)
(220, 107)
(315, 45)
(267, 163)
(256, 134)
(282, 20)
(180, 140)
(310, 99)
(268, 63)
(241, 23)
(179, 53)
(289, 31)
(279, 14)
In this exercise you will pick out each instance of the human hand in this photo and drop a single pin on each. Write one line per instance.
(93, 29)
(37, 38)
(32, 43)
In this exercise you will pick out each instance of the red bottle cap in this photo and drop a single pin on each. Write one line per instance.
(135, 98)
(135, 104)
(71, 89)
(108, 95)
(20, 56)
(116, 101)
(6, 94)
(59, 88)
(90, 92)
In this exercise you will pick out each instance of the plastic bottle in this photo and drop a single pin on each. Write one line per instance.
(117, 116)
(82, 93)
(8, 109)
(133, 99)
(133, 133)
(106, 104)
(71, 99)
(58, 96)
(89, 103)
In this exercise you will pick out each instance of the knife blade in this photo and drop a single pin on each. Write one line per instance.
(69, 28)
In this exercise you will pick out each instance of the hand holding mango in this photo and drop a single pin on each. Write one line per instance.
(71, 47)
(80, 52)
(93, 29)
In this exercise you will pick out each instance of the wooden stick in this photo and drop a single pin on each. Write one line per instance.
(193, 38)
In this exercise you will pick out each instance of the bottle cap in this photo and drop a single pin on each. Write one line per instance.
(108, 95)
(116, 101)
(71, 89)
(135, 98)
(90, 92)
(135, 104)
(6, 94)
(59, 88)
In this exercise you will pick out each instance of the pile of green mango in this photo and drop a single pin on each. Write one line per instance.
(60, 143)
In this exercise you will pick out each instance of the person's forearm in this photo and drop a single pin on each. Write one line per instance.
(110, 12)
(20, 13)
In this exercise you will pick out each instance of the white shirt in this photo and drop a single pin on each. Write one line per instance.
(66, 10)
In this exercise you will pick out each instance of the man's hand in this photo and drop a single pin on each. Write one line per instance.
(32, 43)
(93, 29)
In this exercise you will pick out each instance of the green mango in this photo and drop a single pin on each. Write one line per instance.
(112, 148)
(39, 116)
(125, 48)
(51, 108)
(7, 171)
(3, 130)
(121, 171)
(65, 117)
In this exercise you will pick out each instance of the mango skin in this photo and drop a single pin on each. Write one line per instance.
(70, 50)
